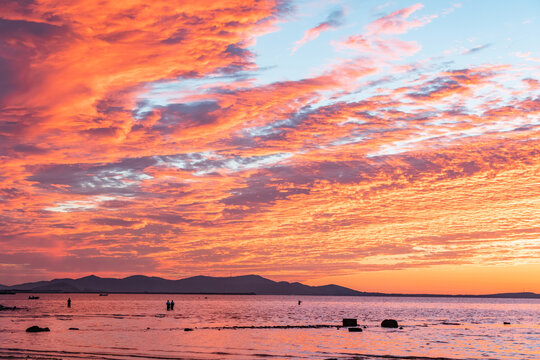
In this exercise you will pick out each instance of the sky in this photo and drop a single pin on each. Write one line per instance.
(384, 146)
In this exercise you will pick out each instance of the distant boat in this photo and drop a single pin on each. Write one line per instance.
(103, 294)
(33, 297)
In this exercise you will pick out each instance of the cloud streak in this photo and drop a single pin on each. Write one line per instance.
(335, 19)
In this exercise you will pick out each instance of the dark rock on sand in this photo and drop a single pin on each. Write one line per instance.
(389, 323)
(36, 328)
(349, 322)
(355, 329)
(73, 328)
(188, 329)
(506, 323)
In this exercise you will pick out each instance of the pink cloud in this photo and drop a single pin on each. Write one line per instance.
(376, 42)
(388, 48)
(333, 20)
(397, 23)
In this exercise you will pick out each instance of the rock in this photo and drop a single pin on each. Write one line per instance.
(188, 329)
(506, 323)
(355, 329)
(36, 328)
(401, 328)
(349, 322)
(389, 323)
(73, 328)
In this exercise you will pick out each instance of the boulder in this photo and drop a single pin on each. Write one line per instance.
(349, 322)
(36, 328)
(506, 323)
(355, 329)
(188, 329)
(389, 323)
(73, 328)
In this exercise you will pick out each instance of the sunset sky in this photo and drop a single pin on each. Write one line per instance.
(383, 146)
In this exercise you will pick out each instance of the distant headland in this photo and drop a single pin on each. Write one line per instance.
(247, 284)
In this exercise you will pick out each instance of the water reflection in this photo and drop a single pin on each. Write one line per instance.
(251, 326)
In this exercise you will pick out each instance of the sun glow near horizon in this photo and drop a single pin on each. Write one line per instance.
(385, 147)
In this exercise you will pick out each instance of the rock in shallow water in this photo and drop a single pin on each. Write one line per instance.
(36, 328)
(355, 329)
(389, 323)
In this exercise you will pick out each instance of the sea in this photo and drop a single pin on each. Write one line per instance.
(138, 326)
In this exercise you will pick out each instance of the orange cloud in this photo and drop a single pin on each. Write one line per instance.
(350, 170)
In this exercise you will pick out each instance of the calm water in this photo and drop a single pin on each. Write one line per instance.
(122, 326)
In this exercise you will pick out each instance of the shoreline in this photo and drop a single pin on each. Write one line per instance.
(14, 353)
(490, 296)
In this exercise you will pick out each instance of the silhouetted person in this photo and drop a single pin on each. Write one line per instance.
(168, 305)
(172, 304)
(69, 302)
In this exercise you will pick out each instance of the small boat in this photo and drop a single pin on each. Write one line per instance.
(33, 297)
(103, 294)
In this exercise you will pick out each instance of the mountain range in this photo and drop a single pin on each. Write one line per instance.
(247, 284)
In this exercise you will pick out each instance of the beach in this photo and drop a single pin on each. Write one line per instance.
(138, 326)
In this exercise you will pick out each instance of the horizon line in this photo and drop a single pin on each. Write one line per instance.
(364, 293)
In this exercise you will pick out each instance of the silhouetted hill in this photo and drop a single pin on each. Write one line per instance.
(523, 295)
(247, 284)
